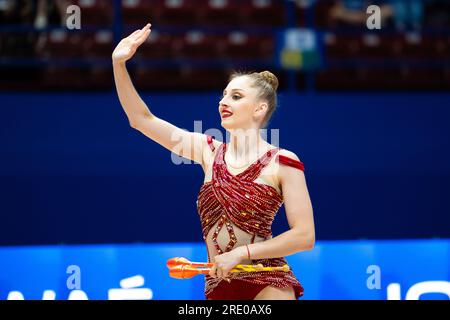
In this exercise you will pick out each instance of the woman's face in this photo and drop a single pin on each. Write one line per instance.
(240, 106)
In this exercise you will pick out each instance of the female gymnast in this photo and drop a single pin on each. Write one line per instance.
(246, 182)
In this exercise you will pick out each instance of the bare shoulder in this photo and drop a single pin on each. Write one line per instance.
(284, 153)
(208, 152)
(203, 138)
(289, 154)
(290, 166)
(275, 172)
(216, 143)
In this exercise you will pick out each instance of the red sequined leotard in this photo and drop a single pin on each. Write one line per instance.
(237, 200)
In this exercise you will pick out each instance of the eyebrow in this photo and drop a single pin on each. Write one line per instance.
(234, 90)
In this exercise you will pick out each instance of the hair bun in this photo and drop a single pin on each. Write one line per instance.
(270, 78)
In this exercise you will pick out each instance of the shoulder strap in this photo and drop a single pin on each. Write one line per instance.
(265, 159)
(209, 139)
(254, 170)
(290, 162)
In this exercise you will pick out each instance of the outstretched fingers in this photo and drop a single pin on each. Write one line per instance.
(132, 36)
(138, 33)
(142, 36)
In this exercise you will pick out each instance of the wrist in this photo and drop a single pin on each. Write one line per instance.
(244, 252)
(118, 63)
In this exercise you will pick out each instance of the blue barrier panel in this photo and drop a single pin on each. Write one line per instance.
(332, 270)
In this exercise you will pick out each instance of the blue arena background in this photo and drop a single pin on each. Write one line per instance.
(73, 171)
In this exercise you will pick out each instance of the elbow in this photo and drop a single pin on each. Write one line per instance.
(306, 242)
(311, 239)
(139, 121)
(310, 243)
(133, 124)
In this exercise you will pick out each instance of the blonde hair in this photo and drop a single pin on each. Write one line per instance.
(267, 83)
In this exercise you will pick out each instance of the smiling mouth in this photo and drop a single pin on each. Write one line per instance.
(226, 114)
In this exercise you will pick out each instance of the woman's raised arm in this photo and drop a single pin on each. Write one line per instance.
(187, 144)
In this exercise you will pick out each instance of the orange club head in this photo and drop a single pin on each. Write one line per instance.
(185, 272)
(177, 261)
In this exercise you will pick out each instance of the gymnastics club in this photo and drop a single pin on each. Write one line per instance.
(181, 268)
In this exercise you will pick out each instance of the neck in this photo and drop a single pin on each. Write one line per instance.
(244, 145)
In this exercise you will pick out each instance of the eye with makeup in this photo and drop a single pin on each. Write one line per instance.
(234, 97)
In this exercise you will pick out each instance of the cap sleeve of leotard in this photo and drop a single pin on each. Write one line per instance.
(290, 162)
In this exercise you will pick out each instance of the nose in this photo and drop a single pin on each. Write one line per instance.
(222, 102)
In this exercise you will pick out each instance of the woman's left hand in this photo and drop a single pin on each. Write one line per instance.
(224, 262)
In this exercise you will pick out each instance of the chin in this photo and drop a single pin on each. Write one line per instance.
(226, 125)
